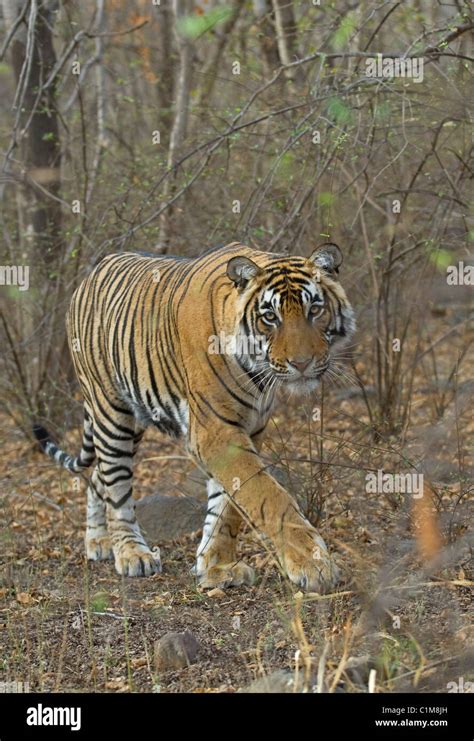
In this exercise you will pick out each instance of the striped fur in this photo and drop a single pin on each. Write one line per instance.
(142, 332)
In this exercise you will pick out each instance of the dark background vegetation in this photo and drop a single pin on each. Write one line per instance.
(124, 126)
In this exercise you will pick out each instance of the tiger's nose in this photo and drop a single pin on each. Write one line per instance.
(299, 363)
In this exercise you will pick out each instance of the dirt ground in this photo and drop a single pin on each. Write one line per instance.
(406, 621)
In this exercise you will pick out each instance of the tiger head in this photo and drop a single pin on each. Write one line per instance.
(296, 312)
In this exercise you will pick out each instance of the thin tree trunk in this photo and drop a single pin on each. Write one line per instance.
(209, 72)
(38, 131)
(266, 36)
(180, 122)
(285, 29)
(165, 68)
(36, 144)
(102, 101)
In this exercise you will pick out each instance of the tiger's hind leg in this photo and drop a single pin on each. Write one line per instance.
(116, 440)
(98, 541)
(217, 564)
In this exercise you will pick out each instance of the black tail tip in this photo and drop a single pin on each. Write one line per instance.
(42, 435)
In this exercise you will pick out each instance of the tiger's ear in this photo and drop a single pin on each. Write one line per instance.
(328, 257)
(241, 270)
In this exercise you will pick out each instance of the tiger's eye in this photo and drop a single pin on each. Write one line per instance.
(315, 309)
(270, 315)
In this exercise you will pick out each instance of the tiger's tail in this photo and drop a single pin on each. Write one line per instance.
(73, 464)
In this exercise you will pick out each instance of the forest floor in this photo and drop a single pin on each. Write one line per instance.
(70, 625)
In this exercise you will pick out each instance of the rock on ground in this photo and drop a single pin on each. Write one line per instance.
(166, 518)
(278, 682)
(175, 651)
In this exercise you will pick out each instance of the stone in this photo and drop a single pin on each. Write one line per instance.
(278, 682)
(175, 651)
(358, 669)
(164, 518)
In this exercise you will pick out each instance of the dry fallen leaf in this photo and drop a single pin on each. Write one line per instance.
(119, 684)
(25, 598)
(218, 593)
(138, 663)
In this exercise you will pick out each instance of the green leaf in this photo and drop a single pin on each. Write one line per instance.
(286, 165)
(99, 602)
(326, 199)
(441, 258)
(344, 32)
(339, 112)
(193, 26)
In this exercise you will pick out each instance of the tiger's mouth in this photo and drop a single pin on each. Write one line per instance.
(290, 377)
(299, 384)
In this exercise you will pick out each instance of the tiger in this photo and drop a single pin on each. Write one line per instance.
(144, 335)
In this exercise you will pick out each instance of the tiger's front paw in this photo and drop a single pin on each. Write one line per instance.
(134, 559)
(227, 575)
(308, 564)
(99, 548)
